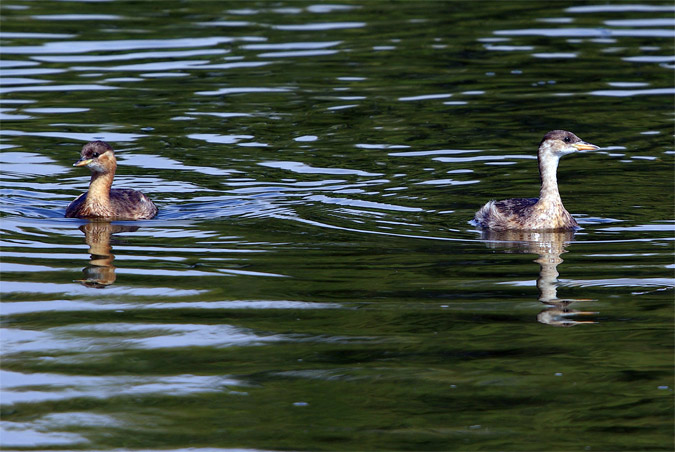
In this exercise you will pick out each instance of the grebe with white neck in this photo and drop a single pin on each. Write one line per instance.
(547, 212)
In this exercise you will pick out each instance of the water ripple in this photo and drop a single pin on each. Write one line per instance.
(57, 88)
(635, 92)
(70, 47)
(127, 56)
(86, 17)
(302, 168)
(242, 90)
(586, 32)
(291, 45)
(618, 8)
(323, 26)
(40, 387)
(107, 136)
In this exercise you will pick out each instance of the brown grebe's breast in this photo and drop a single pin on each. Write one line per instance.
(125, 204)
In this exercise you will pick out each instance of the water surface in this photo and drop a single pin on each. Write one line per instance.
(312, 281)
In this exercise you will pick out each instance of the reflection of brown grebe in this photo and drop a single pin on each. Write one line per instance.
(101, 271)
(101, 201)
(549, 246)
(546, 212)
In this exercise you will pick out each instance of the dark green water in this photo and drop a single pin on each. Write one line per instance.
(312, 281)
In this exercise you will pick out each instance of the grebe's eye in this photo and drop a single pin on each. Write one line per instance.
(567, 139)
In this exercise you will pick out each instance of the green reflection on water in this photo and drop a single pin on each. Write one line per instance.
(404, 343)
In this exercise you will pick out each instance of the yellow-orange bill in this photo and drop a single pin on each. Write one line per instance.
(82, 162)
(585, 146)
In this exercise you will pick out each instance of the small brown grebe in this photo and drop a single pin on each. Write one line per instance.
(101, 201)
(546, 212)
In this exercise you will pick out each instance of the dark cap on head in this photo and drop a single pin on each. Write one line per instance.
(562, 135)
(95, 147)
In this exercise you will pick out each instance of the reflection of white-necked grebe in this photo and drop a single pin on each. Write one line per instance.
(546, 212)
(101, 201)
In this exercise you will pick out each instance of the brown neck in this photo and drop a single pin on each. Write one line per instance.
(99, 188)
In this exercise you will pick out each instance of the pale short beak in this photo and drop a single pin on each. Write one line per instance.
(82, 162)
(583, 146)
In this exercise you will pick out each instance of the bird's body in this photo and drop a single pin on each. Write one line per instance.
(547, 212)
(525, 214)
(123, 204)
(102, 202)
